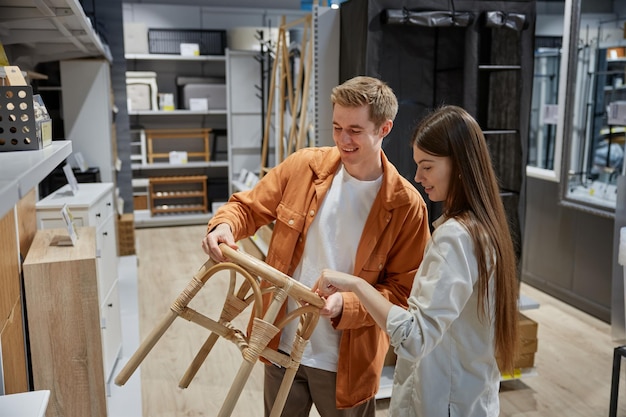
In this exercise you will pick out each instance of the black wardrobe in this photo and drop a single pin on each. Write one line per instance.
(474, 54)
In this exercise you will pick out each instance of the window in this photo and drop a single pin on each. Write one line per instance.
(544, 109)
(596, 150)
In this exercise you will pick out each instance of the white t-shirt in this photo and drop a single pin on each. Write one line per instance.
(331, 242)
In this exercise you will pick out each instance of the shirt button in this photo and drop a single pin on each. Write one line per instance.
(300, 240)
(380, 267)
(312, 213)
(291, 222)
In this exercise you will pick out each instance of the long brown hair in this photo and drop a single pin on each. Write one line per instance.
(474, 200)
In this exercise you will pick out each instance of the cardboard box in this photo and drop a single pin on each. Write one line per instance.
(528, 342)
(140, 202)
(525, 360)
(527, 328)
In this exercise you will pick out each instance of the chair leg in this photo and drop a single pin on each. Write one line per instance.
(145, 348)
(618, 353)
(198, 360)
(235, 389)
(283, 392)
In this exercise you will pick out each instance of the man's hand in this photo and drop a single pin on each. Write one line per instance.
(220, 234)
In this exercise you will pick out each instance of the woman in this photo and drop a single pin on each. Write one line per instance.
(462, 312)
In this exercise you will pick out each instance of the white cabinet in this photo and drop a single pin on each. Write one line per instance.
(93, 206)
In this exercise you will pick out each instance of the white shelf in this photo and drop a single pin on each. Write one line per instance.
(527, 303)
(23, 170)
(144, 219)
(25, 404)
(140, 182)
(520, 374)
(167, 165)
(219, 112)
(174, 57)
(50, 33)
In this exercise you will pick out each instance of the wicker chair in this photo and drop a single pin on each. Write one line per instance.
(253, 344)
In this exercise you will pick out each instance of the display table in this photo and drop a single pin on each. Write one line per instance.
(25, 404)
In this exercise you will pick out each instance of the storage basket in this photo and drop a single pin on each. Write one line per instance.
(126, 234)
(167, 41)
(18, 131)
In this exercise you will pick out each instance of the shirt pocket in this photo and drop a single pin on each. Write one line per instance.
(373, 268)
(287, 230)
(290, 218)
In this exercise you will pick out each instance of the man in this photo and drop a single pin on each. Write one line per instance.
(346, 208)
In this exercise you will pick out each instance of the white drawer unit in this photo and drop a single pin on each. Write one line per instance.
(93, 206)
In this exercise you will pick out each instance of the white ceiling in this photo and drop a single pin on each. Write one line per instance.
(253, 4)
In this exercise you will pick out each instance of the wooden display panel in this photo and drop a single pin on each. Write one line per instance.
(178, 194)
(183, 141)
(61, 286)
(11, 324)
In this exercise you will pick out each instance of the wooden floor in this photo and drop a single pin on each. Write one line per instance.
(573, 363)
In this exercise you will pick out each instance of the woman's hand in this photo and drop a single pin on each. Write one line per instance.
(331, 282)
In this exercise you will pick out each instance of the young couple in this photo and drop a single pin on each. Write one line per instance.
(350, 226)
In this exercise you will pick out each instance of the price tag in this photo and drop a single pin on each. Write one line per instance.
(71, 179)
(69, 223)
(80, 162)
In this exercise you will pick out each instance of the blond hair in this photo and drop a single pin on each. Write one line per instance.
(361, 91)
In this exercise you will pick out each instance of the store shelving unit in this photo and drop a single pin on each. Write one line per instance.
(151, 126)
(33, 31)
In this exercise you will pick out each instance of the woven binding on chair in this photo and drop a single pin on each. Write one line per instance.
(261, 334)
(179, 305)
(297, 350)
(232, 308)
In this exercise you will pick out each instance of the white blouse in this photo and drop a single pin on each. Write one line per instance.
(446, 363)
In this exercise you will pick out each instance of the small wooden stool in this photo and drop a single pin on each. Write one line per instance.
(263, 329)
